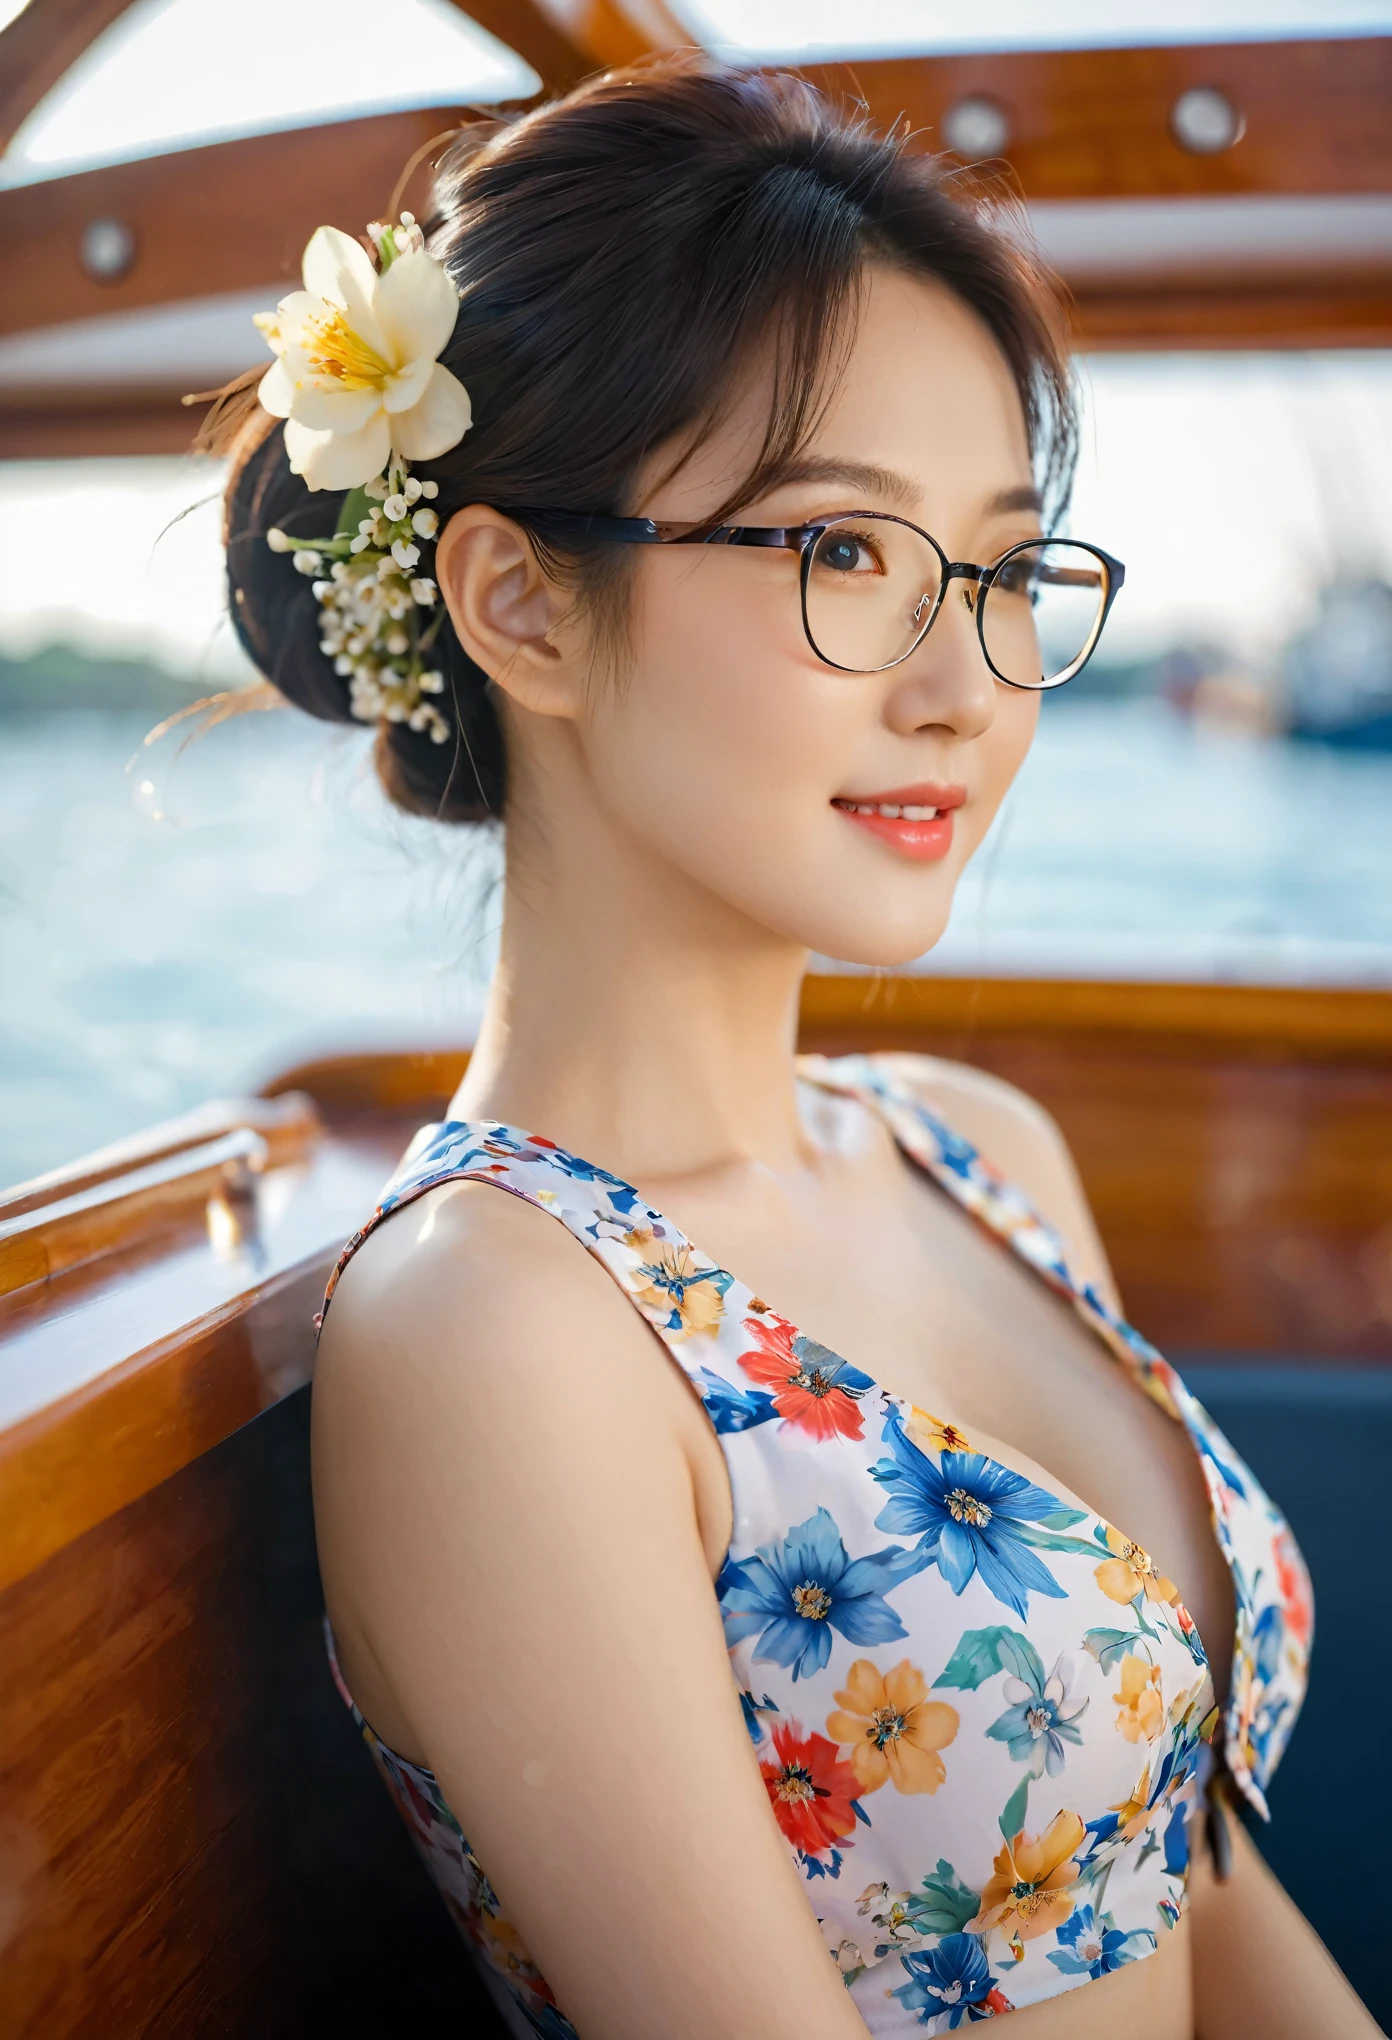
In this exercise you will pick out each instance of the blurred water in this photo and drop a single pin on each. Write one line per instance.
(281, 907)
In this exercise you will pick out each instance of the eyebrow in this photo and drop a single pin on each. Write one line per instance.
(872, 480)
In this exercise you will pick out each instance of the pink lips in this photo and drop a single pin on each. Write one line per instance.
(924, 832)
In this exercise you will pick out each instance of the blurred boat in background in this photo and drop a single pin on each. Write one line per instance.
(1337, 674)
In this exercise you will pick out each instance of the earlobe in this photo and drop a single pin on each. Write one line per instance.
(505, 609)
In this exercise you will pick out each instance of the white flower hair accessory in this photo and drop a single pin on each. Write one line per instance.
(362, 394)
(356, 376)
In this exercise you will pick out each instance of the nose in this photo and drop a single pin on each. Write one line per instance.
(945, 682)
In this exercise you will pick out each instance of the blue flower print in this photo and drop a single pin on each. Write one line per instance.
(1041, 1716)
(1088, 1946)
(968, 1512)
(731, 1408)
(795, 1593)
(752, 1709)
(951, 1982)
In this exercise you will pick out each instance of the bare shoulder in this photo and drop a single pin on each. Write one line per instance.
(477, 1370)
(464, 1277)
(1022, 1142)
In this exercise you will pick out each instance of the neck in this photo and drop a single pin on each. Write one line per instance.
(633, 1017)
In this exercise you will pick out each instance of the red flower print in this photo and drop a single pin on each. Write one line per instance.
(813, 1389)
(1295, 1589)
(810, 1789)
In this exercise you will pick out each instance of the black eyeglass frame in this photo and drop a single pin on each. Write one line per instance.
(802, 539)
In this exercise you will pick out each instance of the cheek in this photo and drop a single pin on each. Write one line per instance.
(998, 755)
(728, 722)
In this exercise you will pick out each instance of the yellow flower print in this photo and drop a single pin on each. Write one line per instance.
(1142, 1708)
(1027, 1892)
(930, 1434)
(1133, 1814)
(672, 1288)
(895, 1731)
(1131, 1571)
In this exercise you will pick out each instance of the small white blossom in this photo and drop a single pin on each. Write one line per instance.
(404, 555)
(412, 489)
(307, 563)
(425, 524)
(424, 591)
(394, 509)
(277, 540)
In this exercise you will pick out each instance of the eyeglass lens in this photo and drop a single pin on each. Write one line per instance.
(872, 584)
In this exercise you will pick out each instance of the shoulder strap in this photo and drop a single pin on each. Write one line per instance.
(679, 1290)
(1005, 1212)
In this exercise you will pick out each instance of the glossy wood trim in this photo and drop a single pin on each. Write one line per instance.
(66, 1469)
(180, 1191)
(410, 1081)
(115, 1374)
(886, 1011)
(1285, 1021)
(286, 1124)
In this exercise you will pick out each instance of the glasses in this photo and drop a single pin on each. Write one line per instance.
(874, 585)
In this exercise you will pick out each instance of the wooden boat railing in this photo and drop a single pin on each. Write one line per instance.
(190, 1839)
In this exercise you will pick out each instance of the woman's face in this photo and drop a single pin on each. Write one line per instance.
(730, 751)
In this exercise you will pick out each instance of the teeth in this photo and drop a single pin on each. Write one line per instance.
(890, 811)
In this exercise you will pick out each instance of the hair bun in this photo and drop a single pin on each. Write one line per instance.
(279, 622)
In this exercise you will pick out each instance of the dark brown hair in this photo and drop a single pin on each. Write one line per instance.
(618, 254)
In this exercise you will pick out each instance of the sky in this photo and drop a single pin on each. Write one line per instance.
(168, 73)
(787, 27)
(1231, 485)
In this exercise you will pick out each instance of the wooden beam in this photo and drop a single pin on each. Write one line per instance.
(83, 422)
(1318, 314)
(224, 217)
(40, 46)
(1095, 123)
(1089, 124)
(585, 36)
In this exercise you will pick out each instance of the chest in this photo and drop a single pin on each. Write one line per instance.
(907, 1287)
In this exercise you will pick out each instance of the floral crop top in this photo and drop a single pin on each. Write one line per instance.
(981, 1714)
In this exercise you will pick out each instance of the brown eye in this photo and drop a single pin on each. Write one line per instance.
(846, 552)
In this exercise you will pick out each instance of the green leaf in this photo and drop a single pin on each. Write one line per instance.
(1052, 1540)
(1109, 1646)
(357, 504)
(1063, 1519)
(981, 1653)
(1013, 1812)
(1018, 1655)
(947, 1904)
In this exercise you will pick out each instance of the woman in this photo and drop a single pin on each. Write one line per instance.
(747, 624)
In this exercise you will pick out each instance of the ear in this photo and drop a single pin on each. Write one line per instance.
(509, 617)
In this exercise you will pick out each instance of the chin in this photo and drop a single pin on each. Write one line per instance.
(865, 933)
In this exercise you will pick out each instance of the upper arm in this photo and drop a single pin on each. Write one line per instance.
(1023, 1144)
(507, 1508)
